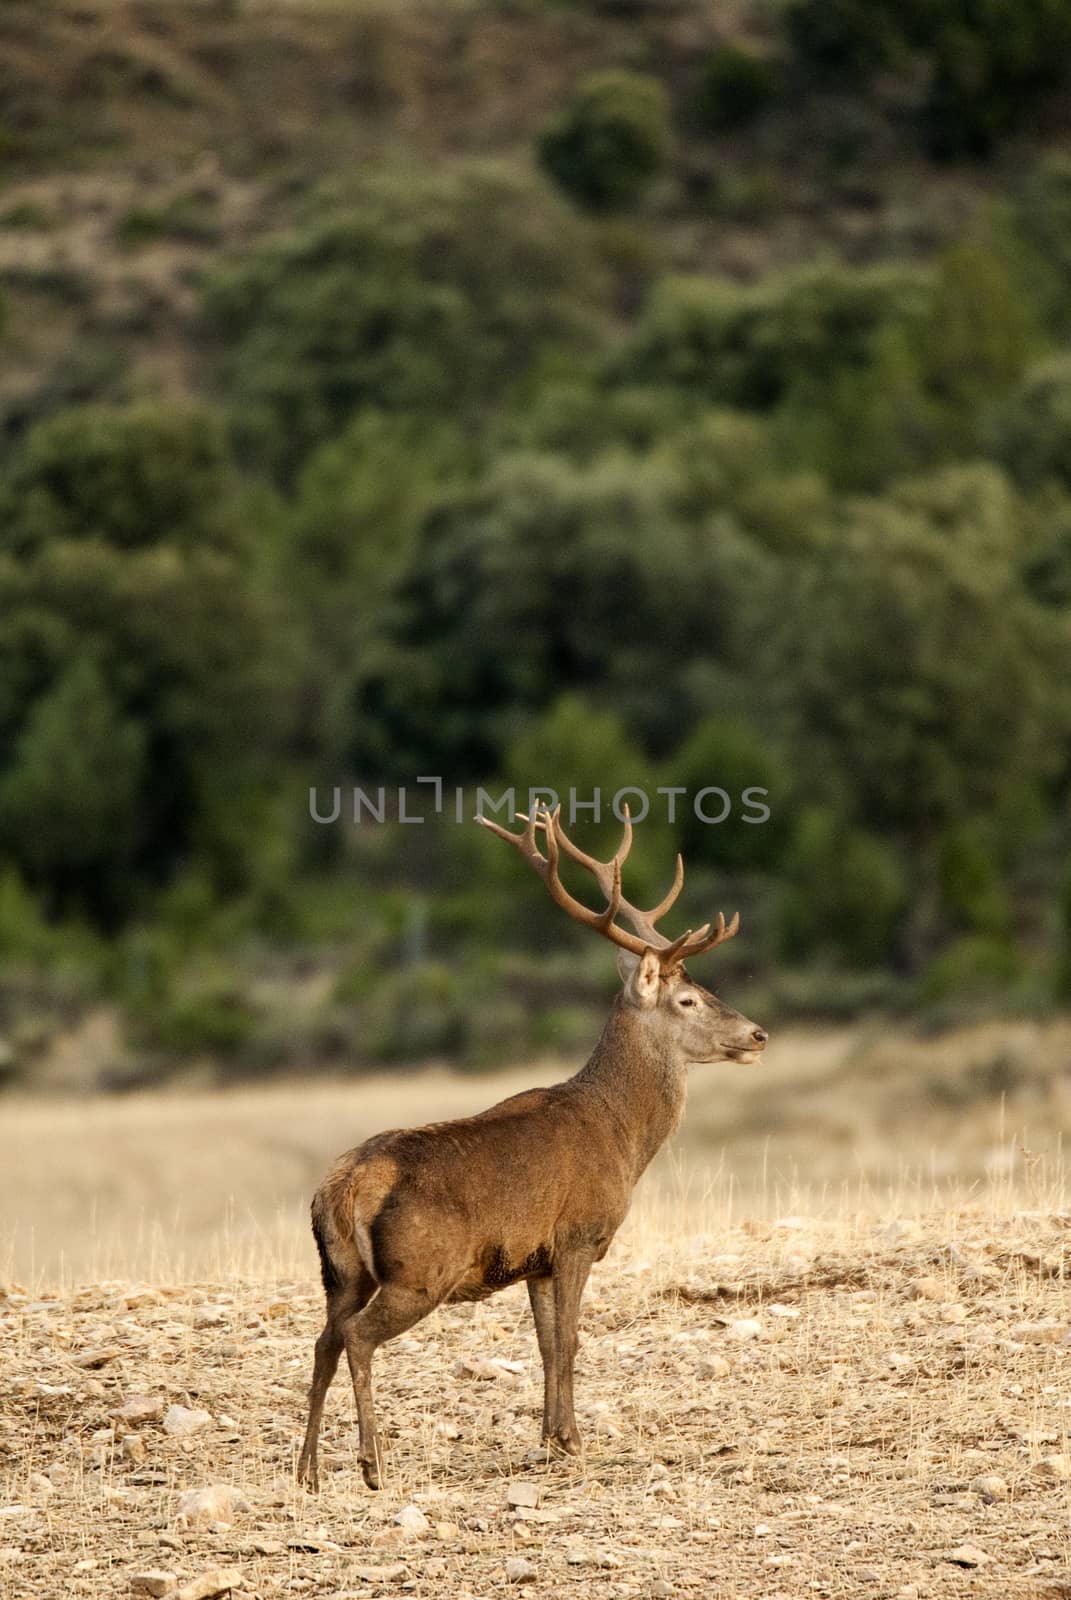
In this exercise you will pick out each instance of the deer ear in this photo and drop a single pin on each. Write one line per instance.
(642, 975)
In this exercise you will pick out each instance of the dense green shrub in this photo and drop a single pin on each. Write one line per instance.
(913, 653)
(733, 757)
(970, 880)
(750, 345)
(977, 964)
(995, 63)
(851, 39)
(736, 85)
(843, 891)
(1032, 430)
(131, 475)
(611, 141)
(139, 651)
(1041, 228)
(431, 295)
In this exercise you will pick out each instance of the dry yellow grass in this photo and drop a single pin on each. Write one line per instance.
(787, 1388)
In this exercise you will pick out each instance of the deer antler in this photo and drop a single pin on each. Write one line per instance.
(607, 875)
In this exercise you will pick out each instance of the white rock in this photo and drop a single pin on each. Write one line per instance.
(181, 1421)
(1039, 1332)
(787, 1312)
(1056, 1466)
(967, 1555)
(520, 1493)
(221, 1580)
(520, 1571)
(140, 1408)
(744, 1328)
(209, 1316)
(154, 1582)
(219, 1502)
(991, 1486)
(413, 1522)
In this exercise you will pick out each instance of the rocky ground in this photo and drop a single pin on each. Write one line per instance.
(846, 1406)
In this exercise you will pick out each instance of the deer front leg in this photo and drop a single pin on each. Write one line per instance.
(541, 1296)
(388, 1313)
(570, 1276)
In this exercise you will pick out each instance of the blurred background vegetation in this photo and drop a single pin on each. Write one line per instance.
(589, 392)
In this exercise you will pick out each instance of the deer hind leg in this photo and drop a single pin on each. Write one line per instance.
(387, 1314)
(570, 1276)
(541, 1296)
(342, 1303)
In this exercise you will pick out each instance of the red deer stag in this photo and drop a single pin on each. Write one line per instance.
(534, 1188)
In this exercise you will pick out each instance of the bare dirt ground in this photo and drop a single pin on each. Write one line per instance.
(853, 1384)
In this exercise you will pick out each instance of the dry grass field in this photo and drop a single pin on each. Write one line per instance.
(824, 1359)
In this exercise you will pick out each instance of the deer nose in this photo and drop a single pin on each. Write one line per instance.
(759, 1035)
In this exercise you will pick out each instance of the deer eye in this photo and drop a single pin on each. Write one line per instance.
(686, 1000)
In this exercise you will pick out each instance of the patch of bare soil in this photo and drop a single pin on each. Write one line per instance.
(811, 1407)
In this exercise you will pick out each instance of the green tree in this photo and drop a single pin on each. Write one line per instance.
(736, 85)
(429, 295)
(70, 799)
(842, 895)
(611, 141)
(912, 660)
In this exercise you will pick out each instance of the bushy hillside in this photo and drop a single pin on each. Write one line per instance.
(578, 394)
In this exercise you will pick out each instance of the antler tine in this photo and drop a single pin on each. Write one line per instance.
(547, 867)
(701, 941)
(603, 873)
(607, 875)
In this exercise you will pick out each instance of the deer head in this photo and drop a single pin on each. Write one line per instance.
(685, 1018)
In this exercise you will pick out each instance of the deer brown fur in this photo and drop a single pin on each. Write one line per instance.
(532, 1189)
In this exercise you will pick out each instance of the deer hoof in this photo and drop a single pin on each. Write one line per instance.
(566, 1444)
(371, 1473)
(308, 1474)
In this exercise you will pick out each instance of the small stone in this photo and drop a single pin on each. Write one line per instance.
(744, 1328)
(98, 1357)
(181, 1421)
(714, 1367)
(991, 1486)
(787, 1313)
(217, 1503)
(520, 1493)
(447, 1531)
(221, 1580)
(954, 1313)
(134, 1448)
(1039, 1332)
(43, 1488)
(140, 1408)
(435, 1568)
(507, 1372)
(660, 1589)
(1056, 1466)
(520, 1571)
(155, 1582)
(389, 1574)
(576, 1557)
(967, 1555)
(209, 1316)
(928, 1288)
(413, 1522)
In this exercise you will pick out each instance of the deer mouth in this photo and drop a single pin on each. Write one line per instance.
(746, 1055)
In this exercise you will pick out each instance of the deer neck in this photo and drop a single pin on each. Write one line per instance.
(640, 1081)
